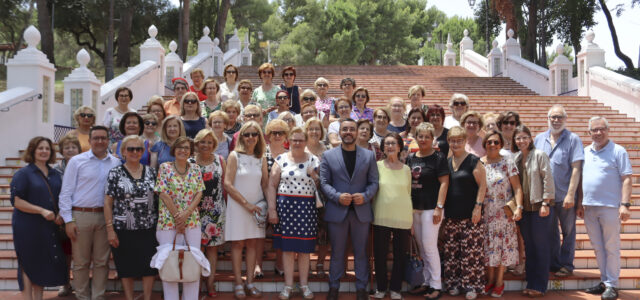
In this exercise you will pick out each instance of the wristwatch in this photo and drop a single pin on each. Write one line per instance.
(520, 207)
(545, 204)
(438, 205)
(627, 205)
(478, 203)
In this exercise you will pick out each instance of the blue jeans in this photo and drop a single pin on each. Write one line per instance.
(562, 255)
(535, 231)
(603, 227)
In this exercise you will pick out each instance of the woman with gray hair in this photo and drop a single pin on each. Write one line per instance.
(85, 118)
(459, 104)
(416, 93)
(323, 102)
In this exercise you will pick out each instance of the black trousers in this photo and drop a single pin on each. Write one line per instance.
(381, 237)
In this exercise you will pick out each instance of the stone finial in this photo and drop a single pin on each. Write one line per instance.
(494, 44)
(153, 31)
(216, 42)
(246, 38)
(206, 31)
(449, 43)
(590, 36)
(466, 33)
(173, 46)
(235, 31)
(510, 33)
(83, 58)
(560, 49)
(32, 36)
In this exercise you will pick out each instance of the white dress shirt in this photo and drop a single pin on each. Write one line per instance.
(84, 181)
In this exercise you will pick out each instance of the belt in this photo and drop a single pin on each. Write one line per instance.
(88, 209)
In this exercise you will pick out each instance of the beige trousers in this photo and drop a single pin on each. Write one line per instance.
(90, 246)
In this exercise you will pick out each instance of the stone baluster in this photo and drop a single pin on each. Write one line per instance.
(81, 88)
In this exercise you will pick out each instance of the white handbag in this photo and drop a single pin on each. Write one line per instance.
(180, 265)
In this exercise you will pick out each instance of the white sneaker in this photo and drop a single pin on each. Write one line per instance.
(378, 295)
(396, 295)
(471, 295)
(454, 292)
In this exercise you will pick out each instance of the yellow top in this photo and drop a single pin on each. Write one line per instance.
(84, 141)
(392, 205)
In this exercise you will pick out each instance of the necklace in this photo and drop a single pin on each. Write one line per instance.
(204, 162)
(175, 166)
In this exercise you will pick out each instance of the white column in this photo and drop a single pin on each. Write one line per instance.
(465, 44)
(152, 50)
(81, 88)
(591, 55)
(218, 58)
(29, 68)
(246, 53)
(234, 41)
(560, 71)
(511, 48)
(494, 60)
(450, 55)
(205, 45)
(173, 65)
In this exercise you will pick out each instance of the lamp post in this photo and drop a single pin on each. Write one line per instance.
(268, 46)
(486, 20)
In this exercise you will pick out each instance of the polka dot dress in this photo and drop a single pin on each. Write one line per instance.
(296, 206)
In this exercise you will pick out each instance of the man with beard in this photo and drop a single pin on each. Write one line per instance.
(566, 155)
(349, 179)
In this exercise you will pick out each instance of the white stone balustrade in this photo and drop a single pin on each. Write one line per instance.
(449, 55)
(81, 88)
(494, 60)
(246, 53)
(173, 66)
(560, 73)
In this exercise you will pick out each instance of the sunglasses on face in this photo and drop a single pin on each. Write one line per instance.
(246, 88)
(308, 99)
(267, 72)
(322, 85)
(288, 75)
(493, 142)
(190, 101)
(149, 123)
(512, 123)
(230, 72)
(135, 149)
(361, 96)
(251, 116)
(250, 134)
(278, 133)
(459, 103)
(282, 98)
(86, 115)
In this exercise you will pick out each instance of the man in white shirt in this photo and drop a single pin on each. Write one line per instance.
(81, 207)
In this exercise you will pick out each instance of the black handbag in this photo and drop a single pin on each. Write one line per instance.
(413, 265)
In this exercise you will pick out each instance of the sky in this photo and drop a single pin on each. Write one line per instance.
(627, 27)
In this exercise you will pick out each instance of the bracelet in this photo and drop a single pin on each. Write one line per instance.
(478, 203)
(109, 225)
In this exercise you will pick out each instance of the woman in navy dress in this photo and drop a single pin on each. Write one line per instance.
(34, 195)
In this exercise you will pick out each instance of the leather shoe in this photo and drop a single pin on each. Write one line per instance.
(610, 293)
(333, 294)
(362, 295)
(597, 290)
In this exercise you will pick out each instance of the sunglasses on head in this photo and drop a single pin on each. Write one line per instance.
(149, 123)
(135, 149)
(250, 134)
(86, 115)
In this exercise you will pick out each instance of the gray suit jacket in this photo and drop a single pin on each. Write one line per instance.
(335, 180)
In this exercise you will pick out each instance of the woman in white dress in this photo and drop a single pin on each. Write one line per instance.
(229, 89)
(246, 166)
(113, 115)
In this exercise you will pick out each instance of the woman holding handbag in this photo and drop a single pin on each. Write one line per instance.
(500, 240)
(180, 188)
(392, 214)
(34, 195)
(131, 215)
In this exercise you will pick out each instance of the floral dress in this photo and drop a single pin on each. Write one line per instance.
(134, 204)
(212, 206)
(500, 243)
(181, 189)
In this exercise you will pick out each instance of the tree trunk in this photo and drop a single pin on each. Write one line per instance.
(222, 21)
(46, 32)
(532, 32)
(614, 36)
(108, 56)
(185, 30)
(124, 37)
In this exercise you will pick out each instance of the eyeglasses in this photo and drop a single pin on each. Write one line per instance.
(322, 85)
(135, 149)
(599, 129)
(178, 88)
(149, 123)
(277, 133)
(288, 74)
(435, 116)
(267, 72)
(344, 107)
(361, 96)
(190, 101)
(250, 134)
(231, 72)
(390, 143)
(85, 115)
(184, 148)
(246, 88)
(512, 123)
(308, 99)
(493, 142)
(251, 116)
(282, 97)
(99, 138)
(346, 85)
(380, 117)
(459, 103)
(123, 96)
(556, 118)
(472, 123)
(297, 141)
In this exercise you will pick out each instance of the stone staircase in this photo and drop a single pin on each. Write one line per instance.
(486, 94)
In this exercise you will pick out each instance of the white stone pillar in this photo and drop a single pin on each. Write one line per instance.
(560, 72)
(465, 44)
(494, 60)
(152, 50)
(205, 45)
(450, 55)
(591, 55)
(234, 41)
(29, 68)
(81, 88)
(510, 48)
(218, 58)
(246, 53)
(173, 65)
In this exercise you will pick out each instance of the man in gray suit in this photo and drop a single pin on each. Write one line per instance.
(349, 179)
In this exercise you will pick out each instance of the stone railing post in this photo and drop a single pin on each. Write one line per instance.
(465, 44)
(494, 60)
(560, 71)
(173, 65)
(246, 53)
(81, 87)
(590, 56)
(450, 55)
(234, 41)
(206, 45)
(31, 68)
(218, 58)
(152, 50)
(511, 48)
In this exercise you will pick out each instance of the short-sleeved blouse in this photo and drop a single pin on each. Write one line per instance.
(134, 203)
(164, 152)
(192, 127)
(366, 113)
(425, 183)
(229, 93)
(182, 190)
(325, 105)
(266, 99)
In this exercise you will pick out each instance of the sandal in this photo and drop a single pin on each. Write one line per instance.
(487, 289)
(286, 293)
(306, 292)
(497, 292)
(535, 294)
(563, 272)
(239, 292)
(320, 270)
(253, 291)
(431, 295)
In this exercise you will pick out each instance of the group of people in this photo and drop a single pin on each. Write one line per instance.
(229, 163)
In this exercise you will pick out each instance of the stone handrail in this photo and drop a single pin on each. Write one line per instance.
(475, 63)
(195, 62)
(133, 79)
(616, 90)
(15, 96)
(532, 76)
(538, 70)
(230, 55)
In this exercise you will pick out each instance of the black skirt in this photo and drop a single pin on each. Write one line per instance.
(134, 253)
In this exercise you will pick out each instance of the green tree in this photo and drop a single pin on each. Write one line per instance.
(493, 22)
(570, 18)
(15, 17)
